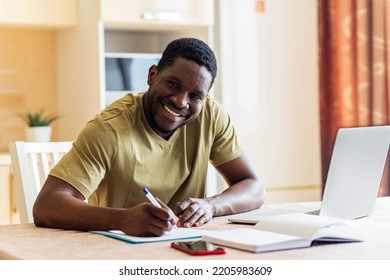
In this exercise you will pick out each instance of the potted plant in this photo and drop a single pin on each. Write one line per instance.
(38, 123)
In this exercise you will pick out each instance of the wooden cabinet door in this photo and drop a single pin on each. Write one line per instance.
(47, 13)
(158, 13)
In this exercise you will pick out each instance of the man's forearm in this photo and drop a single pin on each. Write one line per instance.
(71, 213)
(243, 196)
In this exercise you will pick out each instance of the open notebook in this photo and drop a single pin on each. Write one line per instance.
(282, 232)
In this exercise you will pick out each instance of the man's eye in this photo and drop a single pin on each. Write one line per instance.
(197, 97)
(173, 84)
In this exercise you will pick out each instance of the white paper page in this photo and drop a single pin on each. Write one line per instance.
(250, 236)
(297, 224)
(255, 240)
(254, 216)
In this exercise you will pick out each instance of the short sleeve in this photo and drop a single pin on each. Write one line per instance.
(85, 165)
(226, 145)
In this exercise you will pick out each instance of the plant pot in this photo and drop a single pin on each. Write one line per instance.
(38, 134)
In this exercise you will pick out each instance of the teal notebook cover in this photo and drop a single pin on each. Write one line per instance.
(174, 234)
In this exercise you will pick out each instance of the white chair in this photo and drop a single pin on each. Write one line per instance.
(31, 163)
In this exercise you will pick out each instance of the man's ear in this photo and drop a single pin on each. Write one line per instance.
(152, 74)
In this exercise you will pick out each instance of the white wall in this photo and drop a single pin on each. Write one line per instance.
(268, 81)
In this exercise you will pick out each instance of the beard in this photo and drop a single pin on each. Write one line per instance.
(167, 133)
(152, 112)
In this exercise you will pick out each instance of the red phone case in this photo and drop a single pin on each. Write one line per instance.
(217, 251)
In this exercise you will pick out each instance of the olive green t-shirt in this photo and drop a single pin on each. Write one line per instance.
(117, 154)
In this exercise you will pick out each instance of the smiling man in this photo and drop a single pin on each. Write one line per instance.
(162, 139)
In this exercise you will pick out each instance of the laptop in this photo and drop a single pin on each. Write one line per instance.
(354, 176)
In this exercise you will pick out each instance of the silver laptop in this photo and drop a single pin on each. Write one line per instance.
(354, 176)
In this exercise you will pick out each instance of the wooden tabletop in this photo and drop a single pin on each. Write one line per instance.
(26, 241)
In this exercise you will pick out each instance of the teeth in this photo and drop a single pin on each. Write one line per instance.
(170, 111)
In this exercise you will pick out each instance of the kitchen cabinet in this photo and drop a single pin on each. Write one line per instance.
(152, 14)
(43, 13)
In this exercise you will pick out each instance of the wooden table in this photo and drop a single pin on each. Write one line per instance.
(28, 242)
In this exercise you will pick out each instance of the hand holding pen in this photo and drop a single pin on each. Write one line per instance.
(153, 200)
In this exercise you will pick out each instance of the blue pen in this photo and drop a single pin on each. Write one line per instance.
(153, 200)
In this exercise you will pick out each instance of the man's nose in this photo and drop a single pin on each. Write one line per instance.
(181, 100)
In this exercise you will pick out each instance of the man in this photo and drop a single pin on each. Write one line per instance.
(163, 140)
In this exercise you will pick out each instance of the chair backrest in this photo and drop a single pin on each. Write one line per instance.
(31, 164)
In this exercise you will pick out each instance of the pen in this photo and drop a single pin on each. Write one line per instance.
(153, 200)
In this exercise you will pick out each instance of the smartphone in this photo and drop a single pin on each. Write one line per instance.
(198, 248)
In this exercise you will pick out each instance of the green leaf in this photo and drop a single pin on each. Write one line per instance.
(38, 118)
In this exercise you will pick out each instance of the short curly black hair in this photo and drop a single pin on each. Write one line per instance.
(191, 49)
